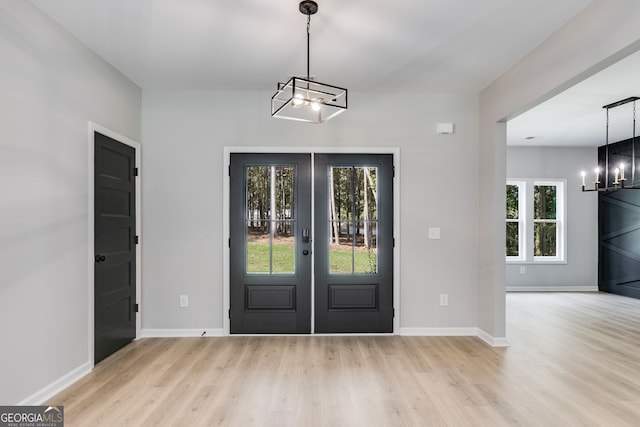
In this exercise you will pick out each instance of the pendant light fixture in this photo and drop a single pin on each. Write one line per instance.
(616, 162)
(304, 99)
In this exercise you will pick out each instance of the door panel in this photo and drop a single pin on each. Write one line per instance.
(354, 243)
(270, 248)
(114, 246)
(619, 243)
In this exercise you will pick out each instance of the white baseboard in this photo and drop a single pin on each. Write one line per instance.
(57, 386)
(491, 340)
(438, 332)
(454, 332)
(552, 289)
(178, 333)
(415, 332)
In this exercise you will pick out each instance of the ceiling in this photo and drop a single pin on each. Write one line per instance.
(457, 46)
(576, 117)
(364, 45)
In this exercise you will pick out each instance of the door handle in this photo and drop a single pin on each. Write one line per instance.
(305, 252)
(100, 258)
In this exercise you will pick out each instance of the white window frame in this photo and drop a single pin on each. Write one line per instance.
(526, 214)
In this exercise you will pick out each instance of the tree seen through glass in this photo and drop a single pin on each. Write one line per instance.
(544, 218)
(513, 227)
(270, 218)
(353, 220)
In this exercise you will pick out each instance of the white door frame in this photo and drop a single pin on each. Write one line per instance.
(310, 150)
(93, 128)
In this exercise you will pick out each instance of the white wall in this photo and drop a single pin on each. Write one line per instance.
(184, 136)
(50, 88)
(605, 32)
(581, 269)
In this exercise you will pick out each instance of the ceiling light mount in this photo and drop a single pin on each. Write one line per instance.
(304, 99)
(308, 7)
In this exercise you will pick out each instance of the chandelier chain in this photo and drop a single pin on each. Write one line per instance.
(633, 148)
(308, 43)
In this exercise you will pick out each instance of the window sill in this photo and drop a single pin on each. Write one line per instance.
(536, 262)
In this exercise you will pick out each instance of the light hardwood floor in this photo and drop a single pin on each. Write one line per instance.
(574, 360)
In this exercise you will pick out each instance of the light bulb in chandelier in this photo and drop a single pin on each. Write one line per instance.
(316, 104)
(298, 100)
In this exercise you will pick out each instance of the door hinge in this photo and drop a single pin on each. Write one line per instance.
(394, 313)
(229, 242)
(394, 171)
(394, 242)
(229, 313)
(136, 240)
(135, 308)
(135, 171)
(229, 170)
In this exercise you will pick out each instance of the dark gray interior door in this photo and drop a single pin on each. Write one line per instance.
(114, 247)
(270, 243)
(353, 243)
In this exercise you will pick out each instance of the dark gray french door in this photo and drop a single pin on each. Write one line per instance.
(354, 243)
(114, 246)
(271, 244)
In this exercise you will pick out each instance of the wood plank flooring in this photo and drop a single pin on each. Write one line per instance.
(574, 360)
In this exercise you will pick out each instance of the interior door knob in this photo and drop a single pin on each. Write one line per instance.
(305, 252)
(100, 258)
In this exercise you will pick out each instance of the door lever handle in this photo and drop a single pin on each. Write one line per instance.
(100, 258)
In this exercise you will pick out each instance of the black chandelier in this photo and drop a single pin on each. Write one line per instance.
(616, 159)
(307, 100)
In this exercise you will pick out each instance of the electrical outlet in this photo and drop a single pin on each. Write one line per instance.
(444, 299)
(184, 300)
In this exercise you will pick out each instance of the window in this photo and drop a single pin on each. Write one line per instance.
(535, 217)
(515, 223)
(545, 220)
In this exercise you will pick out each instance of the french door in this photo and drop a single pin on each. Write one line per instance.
(270, 243)
(354, 243)
(273, 252)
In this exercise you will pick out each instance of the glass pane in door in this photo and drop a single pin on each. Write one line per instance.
(270, 219)
(283, 248)
(365, 251)
(353, 220)
(258, 248)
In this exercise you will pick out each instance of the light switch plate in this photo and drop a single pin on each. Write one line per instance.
(434, 232)
(184, 300)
